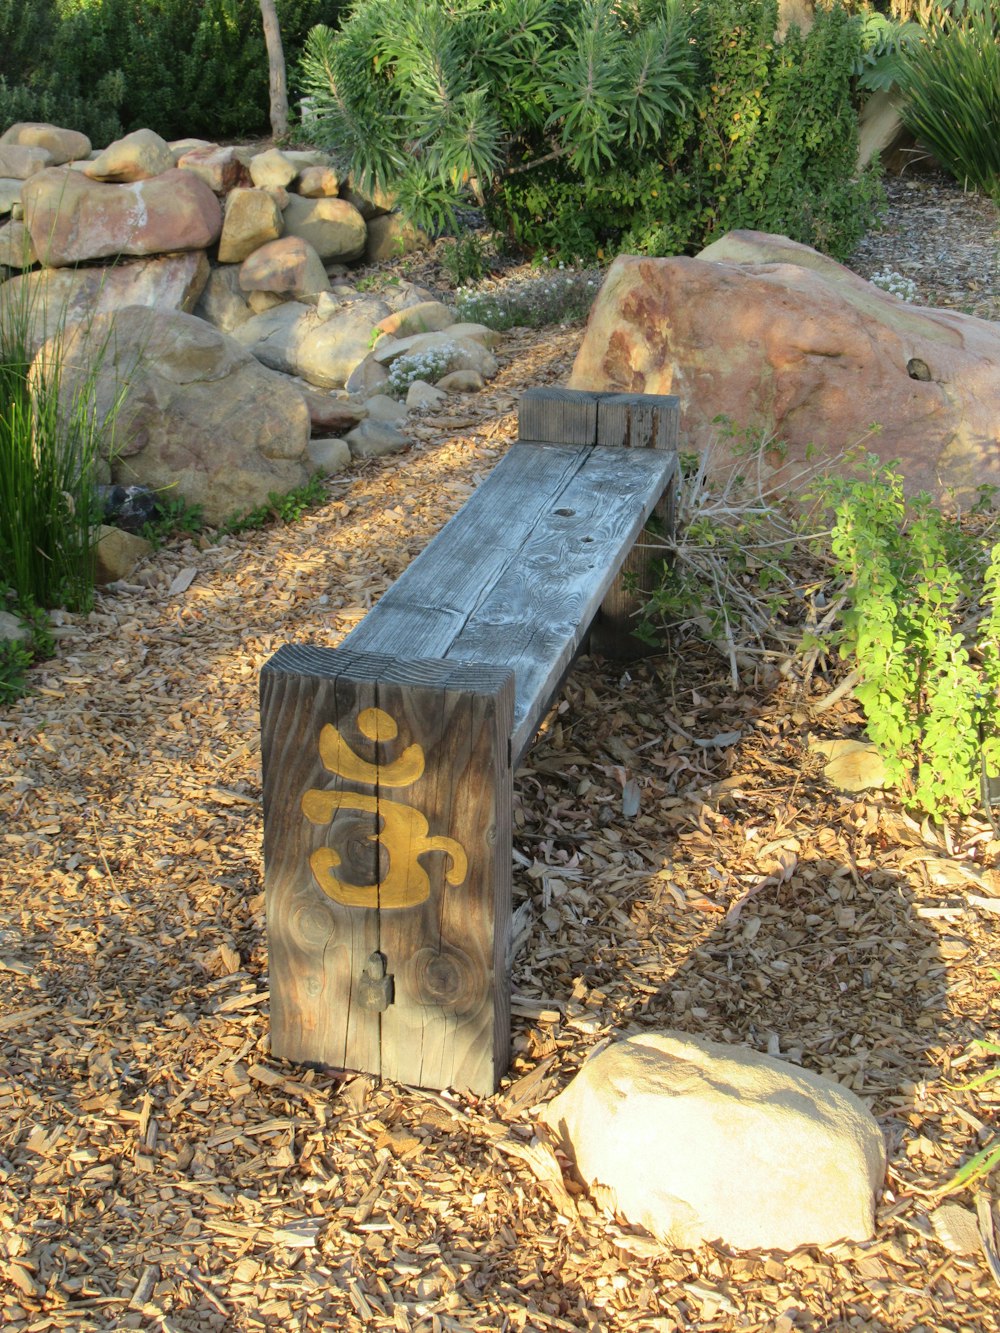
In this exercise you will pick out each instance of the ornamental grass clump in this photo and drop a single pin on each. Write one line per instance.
(50, 446)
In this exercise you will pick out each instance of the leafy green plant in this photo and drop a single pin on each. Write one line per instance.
(174, 518)
(15, 658)
(285, 508)
(923, 622)
(950, 82)
(982, 1163)
(464, 259)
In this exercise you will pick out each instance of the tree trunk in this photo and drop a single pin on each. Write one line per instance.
(276, 67)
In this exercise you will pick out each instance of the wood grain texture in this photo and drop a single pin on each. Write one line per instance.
(449, 1022)
(553, 415)
(518, 574)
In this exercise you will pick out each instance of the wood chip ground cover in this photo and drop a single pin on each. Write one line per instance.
(160, 1171)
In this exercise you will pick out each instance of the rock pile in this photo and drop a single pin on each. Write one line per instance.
(213, 281)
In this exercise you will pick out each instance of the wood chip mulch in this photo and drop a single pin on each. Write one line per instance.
(680, 862)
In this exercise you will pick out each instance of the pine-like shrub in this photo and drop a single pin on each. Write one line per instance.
(589, 128)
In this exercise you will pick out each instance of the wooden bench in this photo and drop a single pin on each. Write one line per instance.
(388, 761)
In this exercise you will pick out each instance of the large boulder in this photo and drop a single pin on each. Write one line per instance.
(221, 168)
(701, 1142)
(775, 336)
(54, 298)
(289, 266)
(72, 218)
(18, 162)
(251, 219)
(298, 340)
(137, 157)
(333, 227)
(200, 417)
(61, 145)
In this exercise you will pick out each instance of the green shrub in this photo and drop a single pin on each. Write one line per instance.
(180, 67)
(950, 82)
(589, 128)
(923, 621)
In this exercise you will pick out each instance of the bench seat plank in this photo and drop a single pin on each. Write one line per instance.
(517, 576)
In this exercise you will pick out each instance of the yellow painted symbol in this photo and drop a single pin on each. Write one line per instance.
(404, 832)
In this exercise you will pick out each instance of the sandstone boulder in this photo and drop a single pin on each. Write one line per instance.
(700, 1142)
(289, 266)
(72, 218)
(18, 162)
(297, 339)
(16, 250)
(61, 145)
(116, 553)
(221, 169)
(776, 336)
(57, 297)
(137, 157)
(200, 418)
(317, 183)
(252, 218)
(272, 169)
(222, 302)
(10, 193)
(424, 317)
(334, 228)
(390, 236)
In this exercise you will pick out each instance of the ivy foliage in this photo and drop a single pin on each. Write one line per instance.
(593, 126)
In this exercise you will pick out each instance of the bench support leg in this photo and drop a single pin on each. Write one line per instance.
(387, 846)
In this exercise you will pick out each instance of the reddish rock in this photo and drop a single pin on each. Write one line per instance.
(288, 265)
(71, 218)
(222, 169)
(775, 336)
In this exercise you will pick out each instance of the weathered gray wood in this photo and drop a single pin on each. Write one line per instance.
(437, 918)
(634, 421)
(554, 415)
(519, 573)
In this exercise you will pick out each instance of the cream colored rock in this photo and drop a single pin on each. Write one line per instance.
(334, 229)
(272, 169)
(178, 147)
(381, 407)
(11, 629)
(420, 394)
(425, 317)
(317, 183)
(331, 415)
(221, 169)
(370, 204)
(18, 162)
(460, 381)
(390, 236)
(200, 416)
(330, 456)
(251, 219)
(137, 157)
(259, 302)
(289, 266)
(701, 1142)
(116, 554)
(56, 297)
(72, 218)
(478, 333)
(274, 336)
(61, 145)
(367, 377)
(774, 335)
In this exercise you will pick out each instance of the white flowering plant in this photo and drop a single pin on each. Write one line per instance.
(896, 284)
(428, 365)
